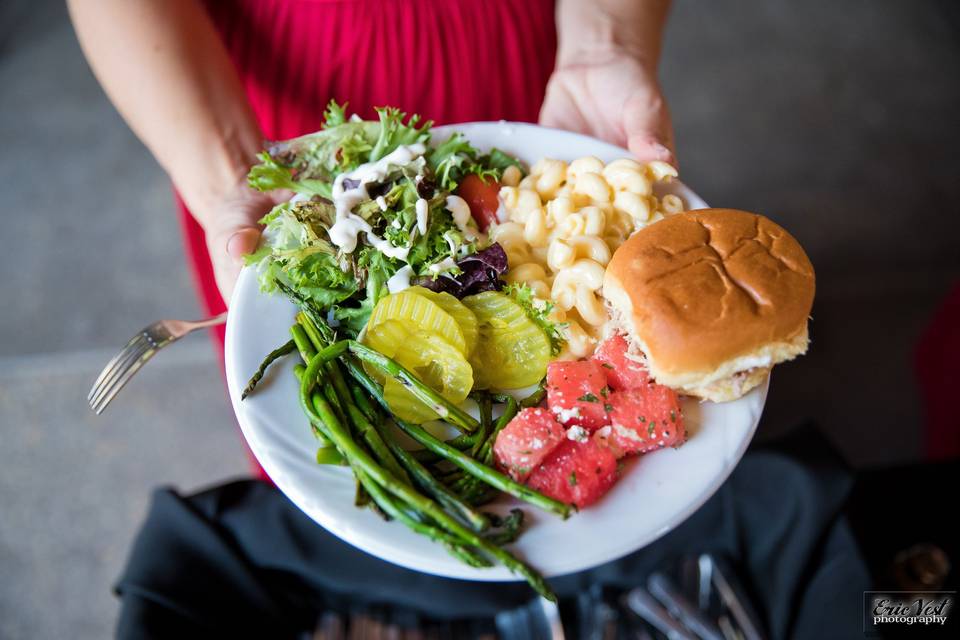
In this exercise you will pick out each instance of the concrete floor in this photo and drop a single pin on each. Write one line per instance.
(840, 124)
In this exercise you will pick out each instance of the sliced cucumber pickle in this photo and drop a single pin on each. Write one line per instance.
(418, 313)
(438, 364)
(512, 351)
(386, 337)
(464, 318)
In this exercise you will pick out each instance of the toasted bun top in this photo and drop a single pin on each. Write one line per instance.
(708, 293)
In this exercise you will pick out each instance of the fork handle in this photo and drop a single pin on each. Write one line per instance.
(209, 322)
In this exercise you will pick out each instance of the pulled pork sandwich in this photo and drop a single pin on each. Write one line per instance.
(712, 299)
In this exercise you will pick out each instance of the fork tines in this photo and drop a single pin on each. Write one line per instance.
(119, 370)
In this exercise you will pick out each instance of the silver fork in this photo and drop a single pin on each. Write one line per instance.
(138, 351)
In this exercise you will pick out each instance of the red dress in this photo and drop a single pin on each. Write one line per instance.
(448, 60)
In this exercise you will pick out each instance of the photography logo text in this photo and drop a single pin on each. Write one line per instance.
(898, 610)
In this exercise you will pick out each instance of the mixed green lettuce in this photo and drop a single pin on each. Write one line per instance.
(297, 254)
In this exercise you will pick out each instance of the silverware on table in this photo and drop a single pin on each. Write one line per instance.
(663, 589)
(137, 352)
(732, 596)
(644, 605)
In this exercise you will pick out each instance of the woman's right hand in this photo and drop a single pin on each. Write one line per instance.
(164, 66)
(230, 224)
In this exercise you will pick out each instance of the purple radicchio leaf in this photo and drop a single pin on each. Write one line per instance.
(480, 272)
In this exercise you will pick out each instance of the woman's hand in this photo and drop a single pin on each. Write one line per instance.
(164, 66)
(230, 226)
(605, 83)
(616, 98)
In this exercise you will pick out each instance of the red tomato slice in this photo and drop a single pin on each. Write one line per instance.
(482, 197)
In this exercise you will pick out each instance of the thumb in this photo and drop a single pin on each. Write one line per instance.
(232, 233)
(648, 129)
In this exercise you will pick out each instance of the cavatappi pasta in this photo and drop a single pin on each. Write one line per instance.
(562, 224)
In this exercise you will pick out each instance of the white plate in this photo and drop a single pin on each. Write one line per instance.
(654, 495)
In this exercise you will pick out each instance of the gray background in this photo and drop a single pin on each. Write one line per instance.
(839, 120)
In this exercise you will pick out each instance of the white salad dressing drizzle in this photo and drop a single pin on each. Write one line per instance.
(423, 215)
(348, 225)
(460, 211)
(444, 265)
(450, 242)
(343, 232)
(400, 280)
(386, 248)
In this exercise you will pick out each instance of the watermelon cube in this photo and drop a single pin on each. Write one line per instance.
(644, 419)
(576, 472)
(526, 440)
(622, 370)
(577, 393)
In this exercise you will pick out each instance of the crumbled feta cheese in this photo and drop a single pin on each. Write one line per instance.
(566, 415)
(629, 434)
(577, 434)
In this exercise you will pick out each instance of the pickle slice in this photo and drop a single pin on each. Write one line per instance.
(386, 337)
(464, 318)
(438, 364)
(512, 351)
(418, 314)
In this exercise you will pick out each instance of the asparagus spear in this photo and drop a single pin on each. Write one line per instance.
(300, 338)
(360, 460)
(471, 489)
(485, 454)
(310, 310)
(486, 422)
(346, 411)
(390, 507)
(361, 421)
(320, 411)
(274, 355)
(374, 440)
(326, 452)
(466, 463)
(446, 410)
(431, 485)
(536, 397)
(420, 474)
(508, 529)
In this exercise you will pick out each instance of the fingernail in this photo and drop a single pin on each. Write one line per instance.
(662, 152)
(236, 246)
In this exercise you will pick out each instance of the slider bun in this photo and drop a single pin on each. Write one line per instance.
(713, 298)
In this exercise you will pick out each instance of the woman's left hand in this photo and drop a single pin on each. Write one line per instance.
(614, 97)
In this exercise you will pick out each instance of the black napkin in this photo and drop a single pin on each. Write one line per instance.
(241, 560)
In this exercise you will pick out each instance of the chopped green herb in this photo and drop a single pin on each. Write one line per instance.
(588, 397)
(604, 390)
(650, 429)
(673, 416)
(572, 479)
(608, 407)
(606, 365)
(538, 310)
